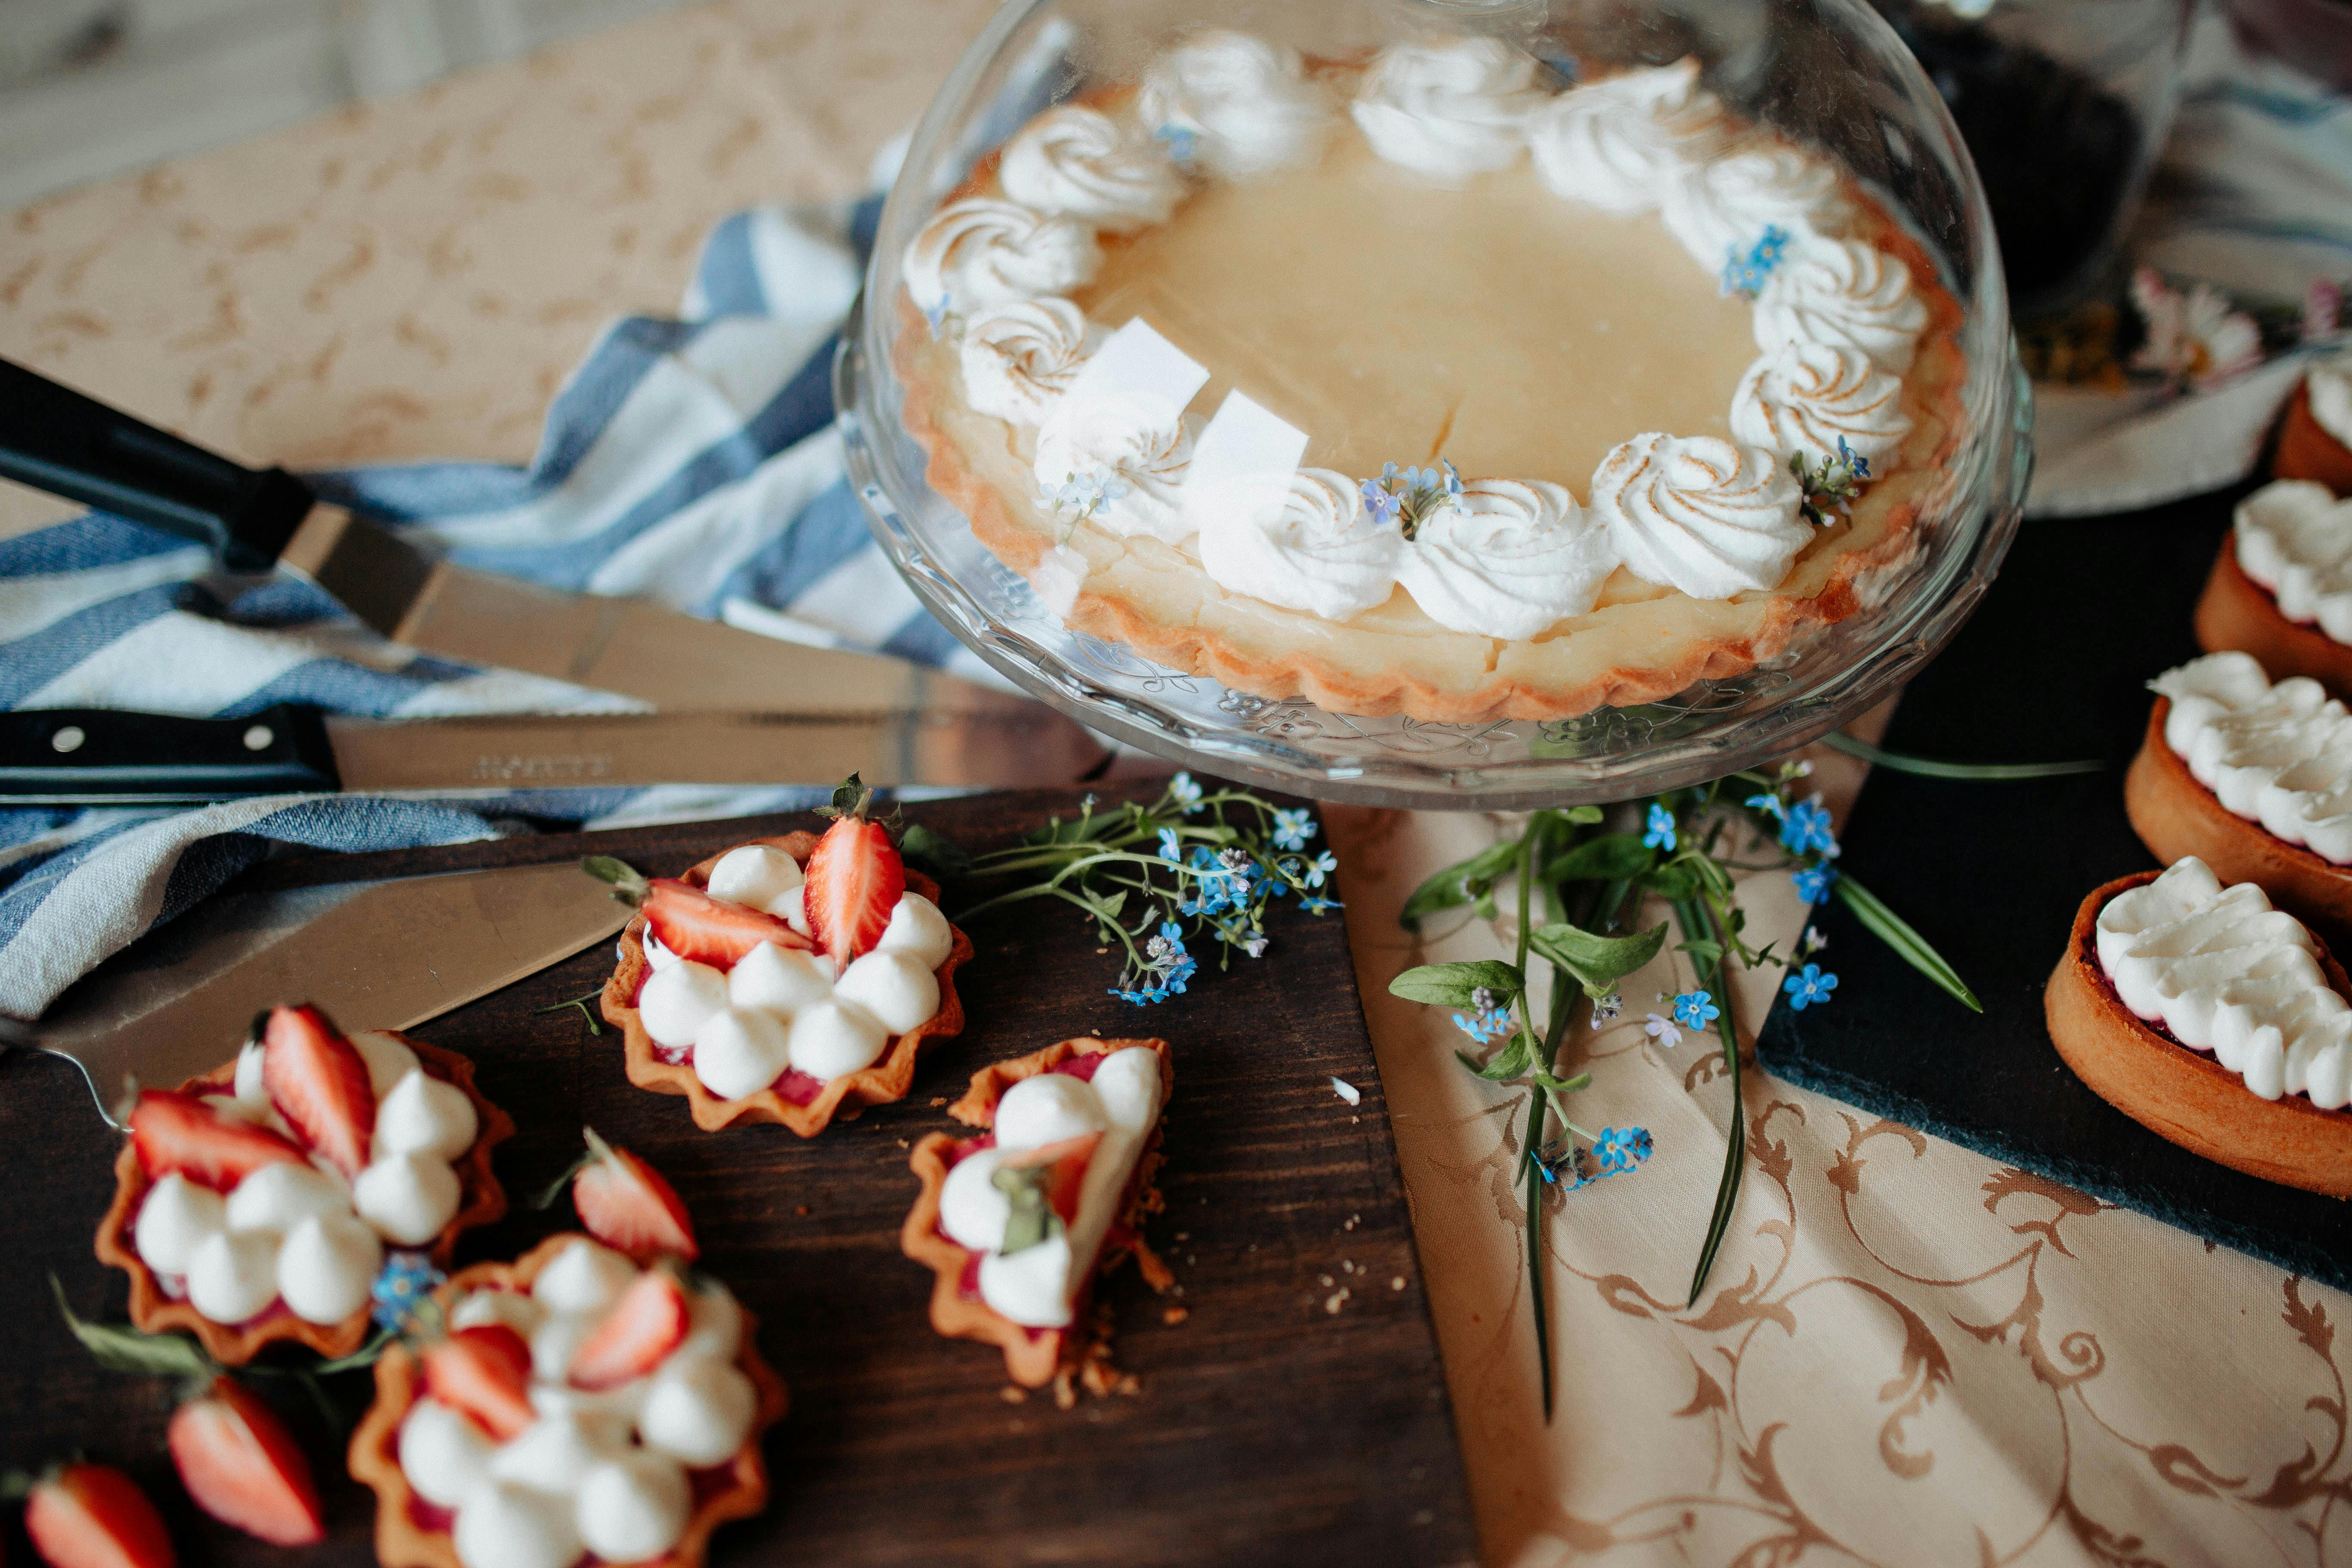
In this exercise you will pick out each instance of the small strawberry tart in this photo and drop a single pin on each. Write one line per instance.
(2280, 588)
(2214, 1021)
(790, 979)
(579, 1404)
(257, 1202)
(2316, 440)
(1016, 1224)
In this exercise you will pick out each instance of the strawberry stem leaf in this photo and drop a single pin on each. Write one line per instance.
(628, 884)
(118, 1347)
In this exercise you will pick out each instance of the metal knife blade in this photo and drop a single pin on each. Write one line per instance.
(101, 756)
(375, 955)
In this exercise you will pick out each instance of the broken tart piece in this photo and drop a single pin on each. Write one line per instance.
(790, 979)
(579, 1404)
(257, 1203)
(1017, 1223)
(2213, 1020)
(2254, 779)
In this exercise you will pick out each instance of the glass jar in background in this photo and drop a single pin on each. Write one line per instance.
(2065, 105)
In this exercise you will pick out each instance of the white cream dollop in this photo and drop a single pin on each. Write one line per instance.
(917, 930)
(585, 1276)
(1802, 399)
(982, 252)
(1844, 293)
(2329, 384)
(1132, 439)
(2279, 755)
(233, 1275)
(1506, 559)
(503, 1524)
(633, 1507)
(1619, 142)
(2295, 538)
(175, 1217)
(515, 1309)
(759, 875)
(1019, 359)
(278, 1197)
(389, 1060)
(973, 1212)
(2229, 974)
(326, 1265)
(553, 1453)
(830, 1039)
(1318, 550)
(1700, 515)
(679, 999)
(779, 980)
(407, 1197)
(1031, 1287)
(1720, 208)
(895, 987)
(423, 1115)
(444, 1455)
(698, 1411)
(1448, 110)
(1046, 1108)
(740, 1051)
(1080, 162)
(1236, 105)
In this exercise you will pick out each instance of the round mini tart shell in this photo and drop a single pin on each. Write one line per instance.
(2176, 815)
(1200, 651)
(2184, 1096)
(1030, 1356)
(885, 1080)
(2237, 614)
(2307, 451)
(481, 1201)
(375, 1455)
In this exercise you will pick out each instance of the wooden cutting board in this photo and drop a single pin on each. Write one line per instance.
(1279, 1420)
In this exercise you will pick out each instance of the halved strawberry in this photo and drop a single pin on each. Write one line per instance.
(1065, 1164)
(175, 1132)
(242, 1467)
(626, 1204)
(689, 921)
(91, 1516)
(645, 1325)
(319, 1081)
(484, 1371)
(855, 880)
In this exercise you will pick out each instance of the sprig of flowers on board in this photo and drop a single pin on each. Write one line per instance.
(1407, 498)
(1679, 854)
(1194, 867)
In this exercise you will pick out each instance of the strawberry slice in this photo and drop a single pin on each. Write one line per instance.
(484, 1371)
(645, 1325)
(91, 1516)
(689, 921)
(175, 1132)
(241, 1466)
(1065, 1164)
(319, 1081)
(626, 1204)
(854, 879)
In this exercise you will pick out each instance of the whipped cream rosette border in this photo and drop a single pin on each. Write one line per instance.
(1838, 321)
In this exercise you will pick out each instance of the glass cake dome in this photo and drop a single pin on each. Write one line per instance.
(1469, 404)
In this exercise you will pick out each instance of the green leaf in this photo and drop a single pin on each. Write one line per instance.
(1981, 772)
(1674, 882)
(1563, 1085)
(1031, 1219)
(1513, 1060)
(1584, 816)
(1702, 951)
(942, 856)
(120, 1348)
(628, 884)
(1611, 857)
(1599, 961)
(1909, 946)
(1449, 984)
(1457, 885)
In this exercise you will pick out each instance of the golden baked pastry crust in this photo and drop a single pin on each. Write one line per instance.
(482, 1201)
(1031, 1356)
(2236, 612)
(2307, 451)
(400, 1542)
(2181, 1095)
(887, 1079)
(2176, 815)
(1659, 642)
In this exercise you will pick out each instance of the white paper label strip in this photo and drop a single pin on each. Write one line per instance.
(1244, 460)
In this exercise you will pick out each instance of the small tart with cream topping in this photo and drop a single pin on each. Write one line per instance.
(755, 1012)
(236, 1224)
(2280, 588)
(1017, 1224)
(2251, 778)
(2202, 1053)
(640, 1471)
(2316, 438)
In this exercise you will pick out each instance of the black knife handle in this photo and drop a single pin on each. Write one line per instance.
(54, 439)
(84, 755)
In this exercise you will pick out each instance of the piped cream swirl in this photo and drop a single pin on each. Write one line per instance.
(2279, 755)
(1236, 105)
(1448, 110)
(1506, 559)
(1019, 359)
(1318, 550)
(1846, 294)
(1619, 143)
(981, 252)
(1133, 437)
(1082, 163)
(2329, 384)
(1700, 515)
(2295, 538)
(2227, 974)
(1720, 208)
(1803, 397)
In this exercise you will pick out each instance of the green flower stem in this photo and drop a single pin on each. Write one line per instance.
(1698, 926)
(1532, 1167)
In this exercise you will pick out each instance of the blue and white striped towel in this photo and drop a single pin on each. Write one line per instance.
(692, 460)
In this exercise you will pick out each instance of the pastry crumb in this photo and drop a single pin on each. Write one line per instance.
(938, 1100)
(1351, 1221)
(801, 1212)
(1064, 1397)
(1013, 1394)
(1331, 1303)
(1325, 1281)
(1175, 1315)
(903, 1144)
(1397, 1283)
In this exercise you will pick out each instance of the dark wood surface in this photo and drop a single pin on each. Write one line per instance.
(1268, 1429)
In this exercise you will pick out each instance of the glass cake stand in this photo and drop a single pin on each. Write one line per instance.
(1827, 73)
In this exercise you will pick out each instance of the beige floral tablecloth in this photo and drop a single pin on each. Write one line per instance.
(1908, 1355)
